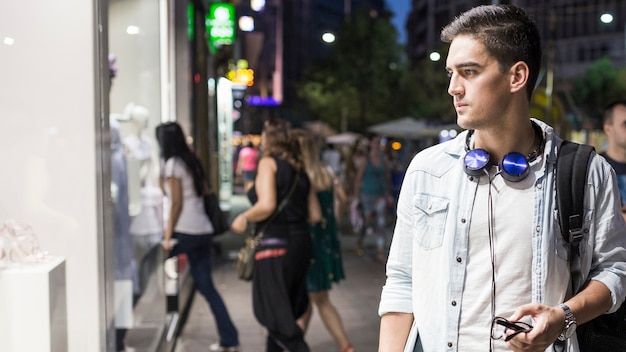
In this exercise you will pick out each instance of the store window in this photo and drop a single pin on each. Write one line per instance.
(140, 314)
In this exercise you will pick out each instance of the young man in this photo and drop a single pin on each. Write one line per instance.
(615, 130)
(477, 236)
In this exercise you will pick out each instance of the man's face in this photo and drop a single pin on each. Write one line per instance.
(616, 130)
(480, 91)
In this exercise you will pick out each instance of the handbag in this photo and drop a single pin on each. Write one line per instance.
(245, 257)
(215, 214)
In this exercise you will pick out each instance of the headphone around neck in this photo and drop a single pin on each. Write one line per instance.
(513, 167)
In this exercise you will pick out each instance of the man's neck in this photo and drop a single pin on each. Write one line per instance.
(616, 153)
(499, 142)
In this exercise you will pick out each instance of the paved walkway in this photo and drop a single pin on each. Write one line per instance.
(356, 299)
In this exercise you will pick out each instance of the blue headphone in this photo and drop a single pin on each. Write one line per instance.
(513, 167)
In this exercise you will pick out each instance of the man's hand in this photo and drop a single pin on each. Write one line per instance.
(548, 323)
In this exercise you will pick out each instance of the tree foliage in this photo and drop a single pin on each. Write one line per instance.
(597, 86)
(359, 79)
(368, 81)
(427, 90)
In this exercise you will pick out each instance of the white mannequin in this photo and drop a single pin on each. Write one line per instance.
(139, 153)
(145, 198)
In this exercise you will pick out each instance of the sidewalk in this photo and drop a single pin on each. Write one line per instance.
(356, 298)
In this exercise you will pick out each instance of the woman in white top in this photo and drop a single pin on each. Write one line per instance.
(183, 181)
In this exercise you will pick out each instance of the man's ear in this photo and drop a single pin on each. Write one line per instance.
(519, 76)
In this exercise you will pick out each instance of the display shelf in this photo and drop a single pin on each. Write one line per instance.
(33, 307)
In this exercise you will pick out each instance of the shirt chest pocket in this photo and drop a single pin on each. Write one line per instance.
(431, 213)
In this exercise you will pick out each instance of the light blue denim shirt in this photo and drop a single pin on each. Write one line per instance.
(432, 233)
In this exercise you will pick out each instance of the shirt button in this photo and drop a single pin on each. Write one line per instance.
(454, 303)
(449, 344)
(538, 228)
(458, 259)
(463, 221)
(539, 186)
(537, 271)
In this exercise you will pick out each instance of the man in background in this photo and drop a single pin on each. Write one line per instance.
(615, 128)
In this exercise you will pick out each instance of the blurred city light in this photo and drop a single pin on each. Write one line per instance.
(246, 23)
(435, 56)
(257, 100)
(446, 135)
(257, 5)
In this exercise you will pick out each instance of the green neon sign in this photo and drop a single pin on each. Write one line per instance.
(191, 25)
(220, 25)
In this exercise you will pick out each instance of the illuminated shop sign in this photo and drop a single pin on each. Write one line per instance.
(256, 100)
(220, 25)
(241, 74)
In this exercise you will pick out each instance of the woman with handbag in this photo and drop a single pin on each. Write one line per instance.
(283, 205)
(183, 181)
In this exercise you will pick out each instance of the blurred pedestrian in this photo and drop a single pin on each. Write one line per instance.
(332, 157)
(189, 230)
(326, 263)
(615, 129)
(352, 222)
(372, 187)
(247, 164)
(279, 291)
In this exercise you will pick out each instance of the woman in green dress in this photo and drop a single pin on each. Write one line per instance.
(326, 264)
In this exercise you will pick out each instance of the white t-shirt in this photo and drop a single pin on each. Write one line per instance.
(332, 157)
(192, 220)
(513, 221)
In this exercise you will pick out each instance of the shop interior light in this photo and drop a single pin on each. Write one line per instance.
(132, 30)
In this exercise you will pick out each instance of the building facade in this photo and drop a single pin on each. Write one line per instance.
(288, 38)
(575, 34)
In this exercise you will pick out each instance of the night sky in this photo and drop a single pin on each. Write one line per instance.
(401, 9)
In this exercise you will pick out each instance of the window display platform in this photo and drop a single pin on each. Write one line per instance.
(33, 307)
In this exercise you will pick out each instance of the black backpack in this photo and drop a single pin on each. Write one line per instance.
(608, 331)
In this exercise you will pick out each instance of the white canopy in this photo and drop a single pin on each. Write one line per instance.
(409, 128)
(343, 138)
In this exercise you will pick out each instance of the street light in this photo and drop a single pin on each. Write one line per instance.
(553, 19)
(328, 37)
(607, 18)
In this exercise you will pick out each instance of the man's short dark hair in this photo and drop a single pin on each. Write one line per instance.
(507, 33)
(607, 112)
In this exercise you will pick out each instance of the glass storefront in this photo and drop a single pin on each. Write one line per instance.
(149, 53)
(134, 39)
(83, 92)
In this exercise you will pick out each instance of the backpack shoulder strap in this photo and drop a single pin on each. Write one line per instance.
(571, 176)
